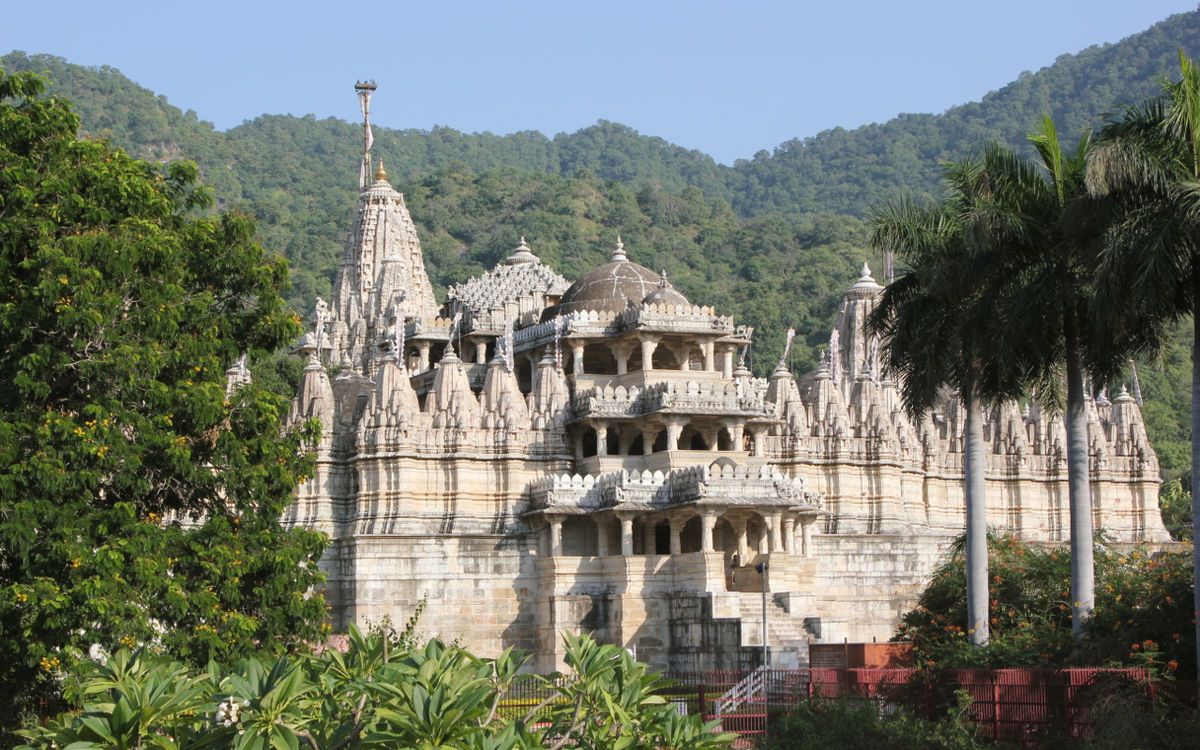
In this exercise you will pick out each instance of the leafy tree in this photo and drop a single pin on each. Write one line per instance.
(1142, 615)
(940, 330)
(139, 501)
(1148, 160)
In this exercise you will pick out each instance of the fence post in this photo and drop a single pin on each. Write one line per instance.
(995, 707)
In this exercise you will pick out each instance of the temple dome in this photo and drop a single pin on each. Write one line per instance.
(665, 295)
(609, 287)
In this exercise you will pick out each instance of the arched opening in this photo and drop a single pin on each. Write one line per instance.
(635, 359)
(660, 442)
(691, 440)
(613, 442)
(635, 448)
(664, 359)
(599, 360)
(662, 538)
(724, 441)
(756, 536)
(690, 535)
(589, 442)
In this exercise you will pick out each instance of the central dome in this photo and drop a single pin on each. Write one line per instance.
(609, 287)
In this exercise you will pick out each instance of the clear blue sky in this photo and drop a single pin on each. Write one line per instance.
(728, 78)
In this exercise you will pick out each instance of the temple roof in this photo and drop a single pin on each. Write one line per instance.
(521, 274)
(610, 287)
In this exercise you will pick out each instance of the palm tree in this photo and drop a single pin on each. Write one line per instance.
(1038, 217)
(938, 330)
(1147, 162)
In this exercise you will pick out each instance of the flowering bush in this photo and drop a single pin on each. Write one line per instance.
(1143, 614)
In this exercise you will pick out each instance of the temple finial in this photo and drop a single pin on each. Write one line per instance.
(618, 252)
(380, 173)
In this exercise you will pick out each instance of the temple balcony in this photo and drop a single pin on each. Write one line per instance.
(663, 461)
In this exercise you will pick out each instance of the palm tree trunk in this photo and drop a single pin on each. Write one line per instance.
(1196, 458)
(975, 490)
(1083, 571)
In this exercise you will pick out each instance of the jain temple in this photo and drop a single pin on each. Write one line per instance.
(537, 454)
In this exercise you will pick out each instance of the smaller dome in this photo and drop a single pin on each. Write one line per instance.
(521, 255)
(665, 294)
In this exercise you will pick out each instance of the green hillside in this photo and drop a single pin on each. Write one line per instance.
(772, 240)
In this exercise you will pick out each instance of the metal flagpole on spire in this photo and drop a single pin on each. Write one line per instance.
(364, 89)
(746, 348)
(787, 347)
(1137, 387)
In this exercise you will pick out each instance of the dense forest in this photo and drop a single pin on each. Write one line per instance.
(772, 240)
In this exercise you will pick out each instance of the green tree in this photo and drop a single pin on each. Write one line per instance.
(940, 330)
(1148, 161)
(139, 501)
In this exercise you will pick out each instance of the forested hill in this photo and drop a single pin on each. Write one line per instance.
(847, 171)
(837, 171)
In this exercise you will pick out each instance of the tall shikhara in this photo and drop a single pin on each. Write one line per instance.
(537, 455)
(382, 277)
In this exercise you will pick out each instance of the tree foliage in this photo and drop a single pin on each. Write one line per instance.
(384, 692)
(139, 502)
(1143, 613)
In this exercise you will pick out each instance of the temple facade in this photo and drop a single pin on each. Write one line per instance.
(537, 454)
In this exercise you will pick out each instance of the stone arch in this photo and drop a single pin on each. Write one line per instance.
(664, 359)
(660, 442)
(692, 439)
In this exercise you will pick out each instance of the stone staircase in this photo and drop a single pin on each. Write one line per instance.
(787, 640)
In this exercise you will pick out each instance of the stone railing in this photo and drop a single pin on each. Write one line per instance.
(690, 397)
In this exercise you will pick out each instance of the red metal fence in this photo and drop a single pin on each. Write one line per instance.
(1005, 704)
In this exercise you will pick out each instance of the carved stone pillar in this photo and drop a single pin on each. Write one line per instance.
(648, 438)
(789, 535)
(674, 430)
(806, 525)
(481, 352)
(757, 443)
(774, 523)
(649, 538)
(555, 535)
(736, 430)
(743, 544)
(708, 521)
(626, 534)
(727, 364)
(601, 438)
(621, 353)
(423, 356)
(649, 344)
(709, 350)
(578, 445)
(676, 531)
(577, 358)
